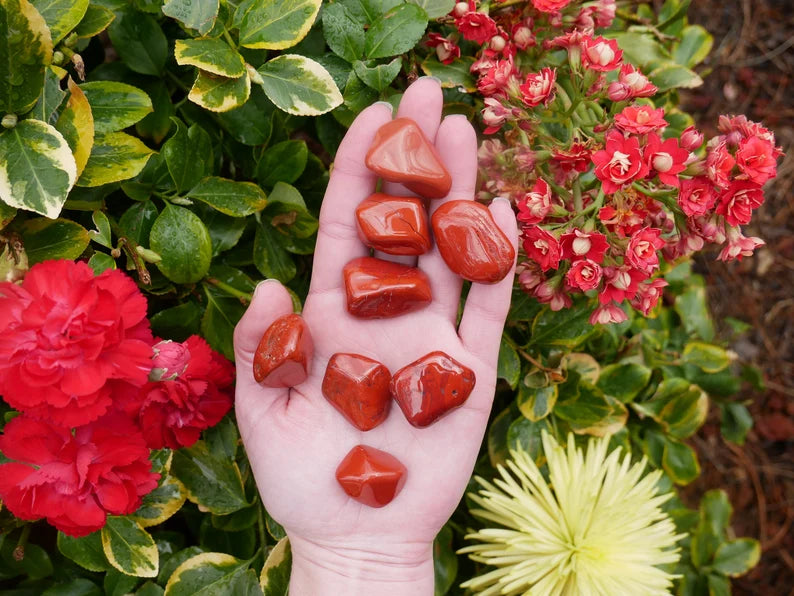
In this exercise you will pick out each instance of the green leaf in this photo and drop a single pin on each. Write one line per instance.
(137, 221)
(183, 242)
(445, 562)
(210, 574)
(237, 199)
(527, 435)
(692, 307)
(47, 239)
(156, 125)
(287, 213)
(222, 314)
(716, 512)
(61, 16)
(171, 562)
(25, 52)
(568, 327)
(395, 32)
(737, 557)
(76, 124)
(188, 155)
(86, 551)
(274, 579)
(37, 169)
(736, 422)
(50, 99)
(497, 436)
(95, 21)
(589, 409)
(7, 214)
(535, 403)
(251, 123)
(508, 366)
(299, 85)
(193, 15)
(270, 258)
(220, 94)
(367, 12)
(344, 35)
(282, 162)
(115, 106)
(213, 484)
(115, 156)
(119, 584)
(102, 233)
(455, 75)
(36, 563)
(707, 357)
(275, 24)
(100, 262)
(624, 381)
(680, 407)
(674, 76)
(719, 585)
(694, 45)
(76, 587)
(435, 8)
(139, 41)
(641, 49)
(129, 548)
(358, 96)
(211, 55)
(160, 504)
(178, 322)
(225, 231)
(378, 76)
(583, 364)
(680, 462)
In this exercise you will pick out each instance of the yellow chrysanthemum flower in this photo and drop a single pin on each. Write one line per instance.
(595, 529)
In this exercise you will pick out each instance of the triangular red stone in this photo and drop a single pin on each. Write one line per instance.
(371, 476)
(401, 153)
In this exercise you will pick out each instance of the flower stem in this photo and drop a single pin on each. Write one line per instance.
(231, 290)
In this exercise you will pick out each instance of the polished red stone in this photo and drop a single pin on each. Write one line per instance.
(371, 476)
(394, 225)
(284, 353)
(430, 387)
(471, 243)
(358, 387)
(378, 289)
(402, 153)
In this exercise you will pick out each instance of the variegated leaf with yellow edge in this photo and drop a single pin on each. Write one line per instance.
(220, 94)
(115, 156)
(161, 503)
(76, 124)
(130, 548)
(209, 574)
(274, 579)
(210, 55)
(275, 24)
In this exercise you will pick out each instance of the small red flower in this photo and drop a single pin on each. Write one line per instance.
(494, 115)
(576, 158)
(757, 159)
(696, 196)
(648, 295)
(719, 164)
(642, 247)
(738, 202)
(74, 480)
(541, 247)
(691, 138)
(640, 119)
(522, 35)
(584, 245)
(446, 49)
(497, 79)
(620, 283)
(174, 411)
(620, 163)
(536, 204)
(666, 158)
(538, 88)
(476, 26)
(64, 334)
(608, 313)
(739, 245)
(584, 274)
(601, 54)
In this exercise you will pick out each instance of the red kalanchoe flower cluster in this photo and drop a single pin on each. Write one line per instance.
(601, 54)
(538, 88)
(620, 163)
(475, 26)
(550, 5)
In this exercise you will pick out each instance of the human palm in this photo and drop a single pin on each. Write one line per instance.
(295, 439)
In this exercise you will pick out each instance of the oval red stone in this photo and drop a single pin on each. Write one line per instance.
(394, 225)
(371, 476)
(284, 353)
(471, 243)
(430, 387)
(378, 289)
(402, 153)
(358, 387)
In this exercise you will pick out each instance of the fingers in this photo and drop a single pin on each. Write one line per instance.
(351, 182)
(456, 143)
(487, 304)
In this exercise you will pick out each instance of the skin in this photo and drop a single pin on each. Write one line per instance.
(295, 439)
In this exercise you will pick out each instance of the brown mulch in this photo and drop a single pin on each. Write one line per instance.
(753, 73)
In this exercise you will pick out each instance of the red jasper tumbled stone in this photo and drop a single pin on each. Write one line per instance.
(378, 289)
(284, 353)
(358, 387)
(371, 476)
(471, 243)
(402, 153)
(430, 387)
(394, 225)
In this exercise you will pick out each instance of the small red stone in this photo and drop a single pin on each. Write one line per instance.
(402, 153)
(378, 289)
(371, 476)
(394, 225)
(430, 387)
(358, 387)
(471, 243)
(284, 353)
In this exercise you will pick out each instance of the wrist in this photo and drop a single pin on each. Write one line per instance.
(319, 569)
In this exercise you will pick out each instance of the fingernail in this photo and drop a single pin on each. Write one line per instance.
(504, 200)
(384, 103)
(456, 117)
(436, 79)
(262, 284)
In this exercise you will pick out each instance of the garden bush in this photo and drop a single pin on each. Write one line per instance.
(158, 158)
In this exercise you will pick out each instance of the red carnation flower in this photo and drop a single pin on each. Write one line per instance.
(541, 247)
(190, 398)
(74, 480)
(64, 334)
(738, 202)
(620, 163)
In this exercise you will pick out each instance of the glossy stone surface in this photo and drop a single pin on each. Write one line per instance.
(378, 289)
(284, 353)
(371, 476)
(394, 225)
(358, 387)
(471, 243)
(402, 153)
(430, 387)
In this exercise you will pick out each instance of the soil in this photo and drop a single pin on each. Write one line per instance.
(752, 68)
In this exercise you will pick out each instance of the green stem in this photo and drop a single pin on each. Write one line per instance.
(577, 195)
(232, 291)
(260, 522)
(19, 550)
(228, 38)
